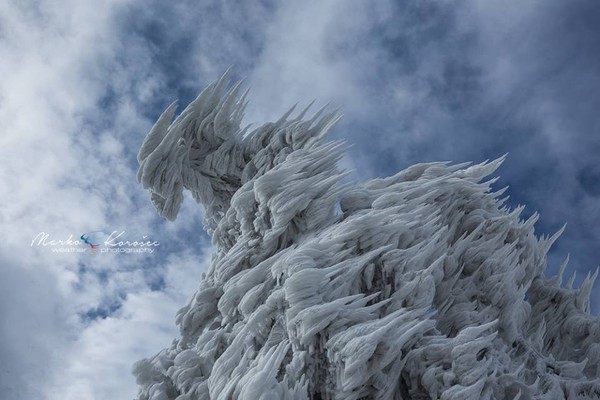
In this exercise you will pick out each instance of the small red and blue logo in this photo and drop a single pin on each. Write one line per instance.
(94, 239)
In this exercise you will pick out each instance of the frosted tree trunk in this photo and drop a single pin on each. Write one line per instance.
(423, 285)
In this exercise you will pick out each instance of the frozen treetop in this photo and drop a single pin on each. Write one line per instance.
(423, 285)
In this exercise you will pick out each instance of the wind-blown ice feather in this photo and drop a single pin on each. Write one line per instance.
(415, 289)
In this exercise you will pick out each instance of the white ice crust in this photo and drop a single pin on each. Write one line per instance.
(423, 285)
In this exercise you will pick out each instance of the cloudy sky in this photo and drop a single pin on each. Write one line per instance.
(82, 82)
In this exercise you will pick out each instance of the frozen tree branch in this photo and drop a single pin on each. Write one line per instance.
(416, 289)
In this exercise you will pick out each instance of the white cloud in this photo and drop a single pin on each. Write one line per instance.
(98, 363)
(32, 318)
(66, 169)
(300, 62)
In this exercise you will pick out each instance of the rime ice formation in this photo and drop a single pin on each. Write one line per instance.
(422, 285)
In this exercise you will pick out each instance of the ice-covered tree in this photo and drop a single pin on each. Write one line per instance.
(423, 285)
